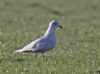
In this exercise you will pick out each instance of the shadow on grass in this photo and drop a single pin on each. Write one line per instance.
(95, 72)
(34, 5)
(13, 60)
(18, 59)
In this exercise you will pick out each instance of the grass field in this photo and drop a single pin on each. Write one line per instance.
(78, 46)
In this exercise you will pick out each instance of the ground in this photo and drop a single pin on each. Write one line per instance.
(78, 46)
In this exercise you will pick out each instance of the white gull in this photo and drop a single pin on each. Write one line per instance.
(44, 43)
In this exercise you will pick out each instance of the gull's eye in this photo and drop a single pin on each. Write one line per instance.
(55, 23)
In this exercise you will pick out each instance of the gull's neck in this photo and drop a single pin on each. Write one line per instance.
(50, 31)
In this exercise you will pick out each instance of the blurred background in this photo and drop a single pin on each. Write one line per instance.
(78, 46)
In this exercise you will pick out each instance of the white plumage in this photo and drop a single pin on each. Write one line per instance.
(44, 43)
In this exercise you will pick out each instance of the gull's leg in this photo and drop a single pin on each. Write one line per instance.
(42, 53)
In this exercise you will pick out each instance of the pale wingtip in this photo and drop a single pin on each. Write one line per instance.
(17, 51)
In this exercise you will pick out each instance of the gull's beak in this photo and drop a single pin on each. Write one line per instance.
(60, 26)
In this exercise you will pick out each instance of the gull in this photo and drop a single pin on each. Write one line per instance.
(44, 43)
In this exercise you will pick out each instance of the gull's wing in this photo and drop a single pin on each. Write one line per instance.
(36, 46)
(43, 44)
(40, 45)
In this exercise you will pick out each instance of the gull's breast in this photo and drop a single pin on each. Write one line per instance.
(51, 42)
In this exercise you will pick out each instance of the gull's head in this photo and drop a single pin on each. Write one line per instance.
(54, 24)
(52, 27)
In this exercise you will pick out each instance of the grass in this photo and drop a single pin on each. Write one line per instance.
(78, 47)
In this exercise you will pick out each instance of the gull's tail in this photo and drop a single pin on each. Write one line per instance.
(23, 50)
(20, 50)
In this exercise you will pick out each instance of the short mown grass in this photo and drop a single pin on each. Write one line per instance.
(78, 46)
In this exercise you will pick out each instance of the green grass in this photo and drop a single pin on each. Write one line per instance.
(78, 46)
